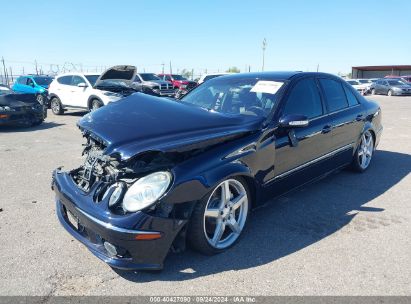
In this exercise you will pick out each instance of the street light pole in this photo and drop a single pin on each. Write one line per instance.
(264, 46)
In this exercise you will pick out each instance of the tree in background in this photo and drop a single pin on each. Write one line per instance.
(185, 73)
(233, 70)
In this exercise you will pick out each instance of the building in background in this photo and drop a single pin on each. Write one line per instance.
(380, 71)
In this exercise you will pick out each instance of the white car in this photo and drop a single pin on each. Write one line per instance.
(206, 77)
(360, 87)
(90, 91)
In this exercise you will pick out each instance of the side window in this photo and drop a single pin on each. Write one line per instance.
(304, 99)
(76, 80)
(64, 80)
(334, 94)
(168, 78)
(352, 100)
(22, 80)
(137, 79)
(30, 82)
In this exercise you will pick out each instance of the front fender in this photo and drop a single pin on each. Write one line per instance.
(194, 189)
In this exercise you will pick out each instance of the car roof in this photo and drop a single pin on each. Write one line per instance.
(280, 75)
(77, 73)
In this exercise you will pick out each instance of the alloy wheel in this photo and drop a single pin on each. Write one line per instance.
(55, 106)
(225, 214)
(366, 150)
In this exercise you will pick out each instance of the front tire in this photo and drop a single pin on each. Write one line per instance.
(389, 93)
(373, 92)
(95, 105)
(220, 217)
(56, 106)
(364, 153)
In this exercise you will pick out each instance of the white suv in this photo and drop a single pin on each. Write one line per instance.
(90, 91)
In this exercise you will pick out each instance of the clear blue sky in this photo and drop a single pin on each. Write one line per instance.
(207, 34)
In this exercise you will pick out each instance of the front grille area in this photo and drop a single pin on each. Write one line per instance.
(168, 86)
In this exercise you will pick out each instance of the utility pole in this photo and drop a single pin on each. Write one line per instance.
(318, 67)
(192, 74)
(5, 72)
(35, 63)
(264, 46)
(11, 74)
(171, 70)
(162, 68)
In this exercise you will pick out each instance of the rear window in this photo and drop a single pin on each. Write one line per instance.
(334, 94)
(43, 80)
(352, 100)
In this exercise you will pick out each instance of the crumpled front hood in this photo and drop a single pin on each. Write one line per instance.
(123, 73)
(142, 123)
(17, 100)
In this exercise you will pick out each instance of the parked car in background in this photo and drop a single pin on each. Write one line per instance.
(178, 81)
(391, 87)
(20, 108)
(407, 78)
(4, 89)
(34, 84)
(91, 91)
(157, 176)
(149, 83)
(360, 87)
(206, 77)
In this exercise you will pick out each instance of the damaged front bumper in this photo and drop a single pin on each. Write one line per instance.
(118, 240)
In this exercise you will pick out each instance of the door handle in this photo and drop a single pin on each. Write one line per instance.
(327, 129)
(359, 117)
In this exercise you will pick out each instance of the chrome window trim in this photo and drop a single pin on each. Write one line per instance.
(284, 174)
(115, 228)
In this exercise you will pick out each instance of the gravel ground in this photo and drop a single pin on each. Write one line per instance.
(346, 235)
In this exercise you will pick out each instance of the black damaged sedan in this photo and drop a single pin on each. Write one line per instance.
(160, 173)
(20, 109)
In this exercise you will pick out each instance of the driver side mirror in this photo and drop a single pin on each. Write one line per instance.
(294, 121)
(82, 85)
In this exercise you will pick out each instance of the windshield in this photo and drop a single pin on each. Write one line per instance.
(353, 82)
(178, 77)
(149, 77)
(395, 82)
(245, 96)
(43, 80)
(92, 79)
(364, 81)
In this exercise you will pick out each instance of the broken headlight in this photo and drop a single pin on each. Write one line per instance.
(6, 108)
(146, 191)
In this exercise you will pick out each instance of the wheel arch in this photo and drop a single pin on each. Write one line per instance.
(196, 188)
(91, 98)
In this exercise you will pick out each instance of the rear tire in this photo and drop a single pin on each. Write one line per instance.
(364, 153)
(56, 106)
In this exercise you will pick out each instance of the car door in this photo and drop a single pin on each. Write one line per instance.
(78, 94)
(378, 87)
(30, 86)
(385, 87)
(345, 115)
(63, 89)
(297, 149)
